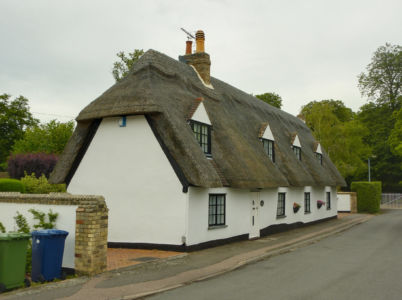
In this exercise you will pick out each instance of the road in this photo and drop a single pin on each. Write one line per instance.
(364, 262)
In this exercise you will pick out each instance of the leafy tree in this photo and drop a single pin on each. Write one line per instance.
(383, 80)
(385, 164)
(48, 138)
(334, 126)
(271, 98)
(122, 67)
(337, 107)
(395, 138)
(14, 118)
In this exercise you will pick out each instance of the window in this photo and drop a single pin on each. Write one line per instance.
(328, 200)
(269, 148)
(217, 207)
(280, 211)
(307, 202)
(319, 157)
(202, 133)
(297, 151)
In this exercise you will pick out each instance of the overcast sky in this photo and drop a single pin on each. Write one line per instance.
(59, 54)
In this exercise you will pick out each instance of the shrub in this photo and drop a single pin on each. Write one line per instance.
(11, 185)
(40, 185)
(368, 195)
(38, 163)
(2, 228)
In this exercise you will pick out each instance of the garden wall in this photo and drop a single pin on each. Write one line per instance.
(347, 202)
(84, 217)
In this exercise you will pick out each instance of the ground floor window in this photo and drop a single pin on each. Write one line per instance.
(280, 211)
(328, 200)
(217, 209)
(307, 202)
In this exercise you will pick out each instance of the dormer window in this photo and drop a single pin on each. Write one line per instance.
(268, 141)
(296, 146)
(269, 148)
(202, 133)
(297, 151)
(318, 152)
(201, 125)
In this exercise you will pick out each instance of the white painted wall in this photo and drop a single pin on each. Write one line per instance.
(201, 115)
(65, 221)
(239, 210)
(344, 202)
(296, 142)
(144, 196)
(268, 134)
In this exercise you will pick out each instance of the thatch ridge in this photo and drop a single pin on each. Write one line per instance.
(165, 90)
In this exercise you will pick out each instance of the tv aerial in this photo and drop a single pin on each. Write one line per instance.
(189, 35)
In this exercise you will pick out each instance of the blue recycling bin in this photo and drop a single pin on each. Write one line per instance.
(47, 254)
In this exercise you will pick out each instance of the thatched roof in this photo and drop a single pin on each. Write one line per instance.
(167, 92)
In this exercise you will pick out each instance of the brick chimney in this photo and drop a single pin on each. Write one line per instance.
(199, 60)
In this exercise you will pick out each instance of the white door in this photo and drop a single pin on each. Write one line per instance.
(255, 204)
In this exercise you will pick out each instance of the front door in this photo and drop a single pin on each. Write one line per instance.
(254, 225)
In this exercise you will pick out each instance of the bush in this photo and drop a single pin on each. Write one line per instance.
(368, 195)
(11, 185)
(38, 163)
(40, 185)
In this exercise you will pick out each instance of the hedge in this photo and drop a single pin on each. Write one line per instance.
(11, 185)
(368, 195)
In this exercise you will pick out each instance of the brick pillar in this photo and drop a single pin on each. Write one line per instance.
(353, 202)
(91, 237)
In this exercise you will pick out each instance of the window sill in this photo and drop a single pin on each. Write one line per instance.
(281, 217)
(217, 227)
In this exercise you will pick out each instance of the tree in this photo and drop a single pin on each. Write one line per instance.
(14, 118)
(49, 138)
(271, 98)
(383, 79)
(395, 138)
(122, 68)
(380, 121)
(341, 136)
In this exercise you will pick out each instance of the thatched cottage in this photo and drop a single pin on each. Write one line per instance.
(185, 160)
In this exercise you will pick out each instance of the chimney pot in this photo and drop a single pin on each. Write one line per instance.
(189, 45)
(199, 39)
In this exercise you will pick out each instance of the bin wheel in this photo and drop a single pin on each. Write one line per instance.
(41, 278)
(63, 275)
(27, 282)
(2, 288)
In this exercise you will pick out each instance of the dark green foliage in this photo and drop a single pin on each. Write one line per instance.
(14, 118)
(22, 223)
(2, 228)
(381, 122)
(23, 227)
(122, 68)
(11, 185)
(41, 218)
(271, 98)
(41, 185)
(368, 196)
(49, 138)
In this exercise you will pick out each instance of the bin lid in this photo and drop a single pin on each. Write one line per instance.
(14, 236)
(49, 232)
